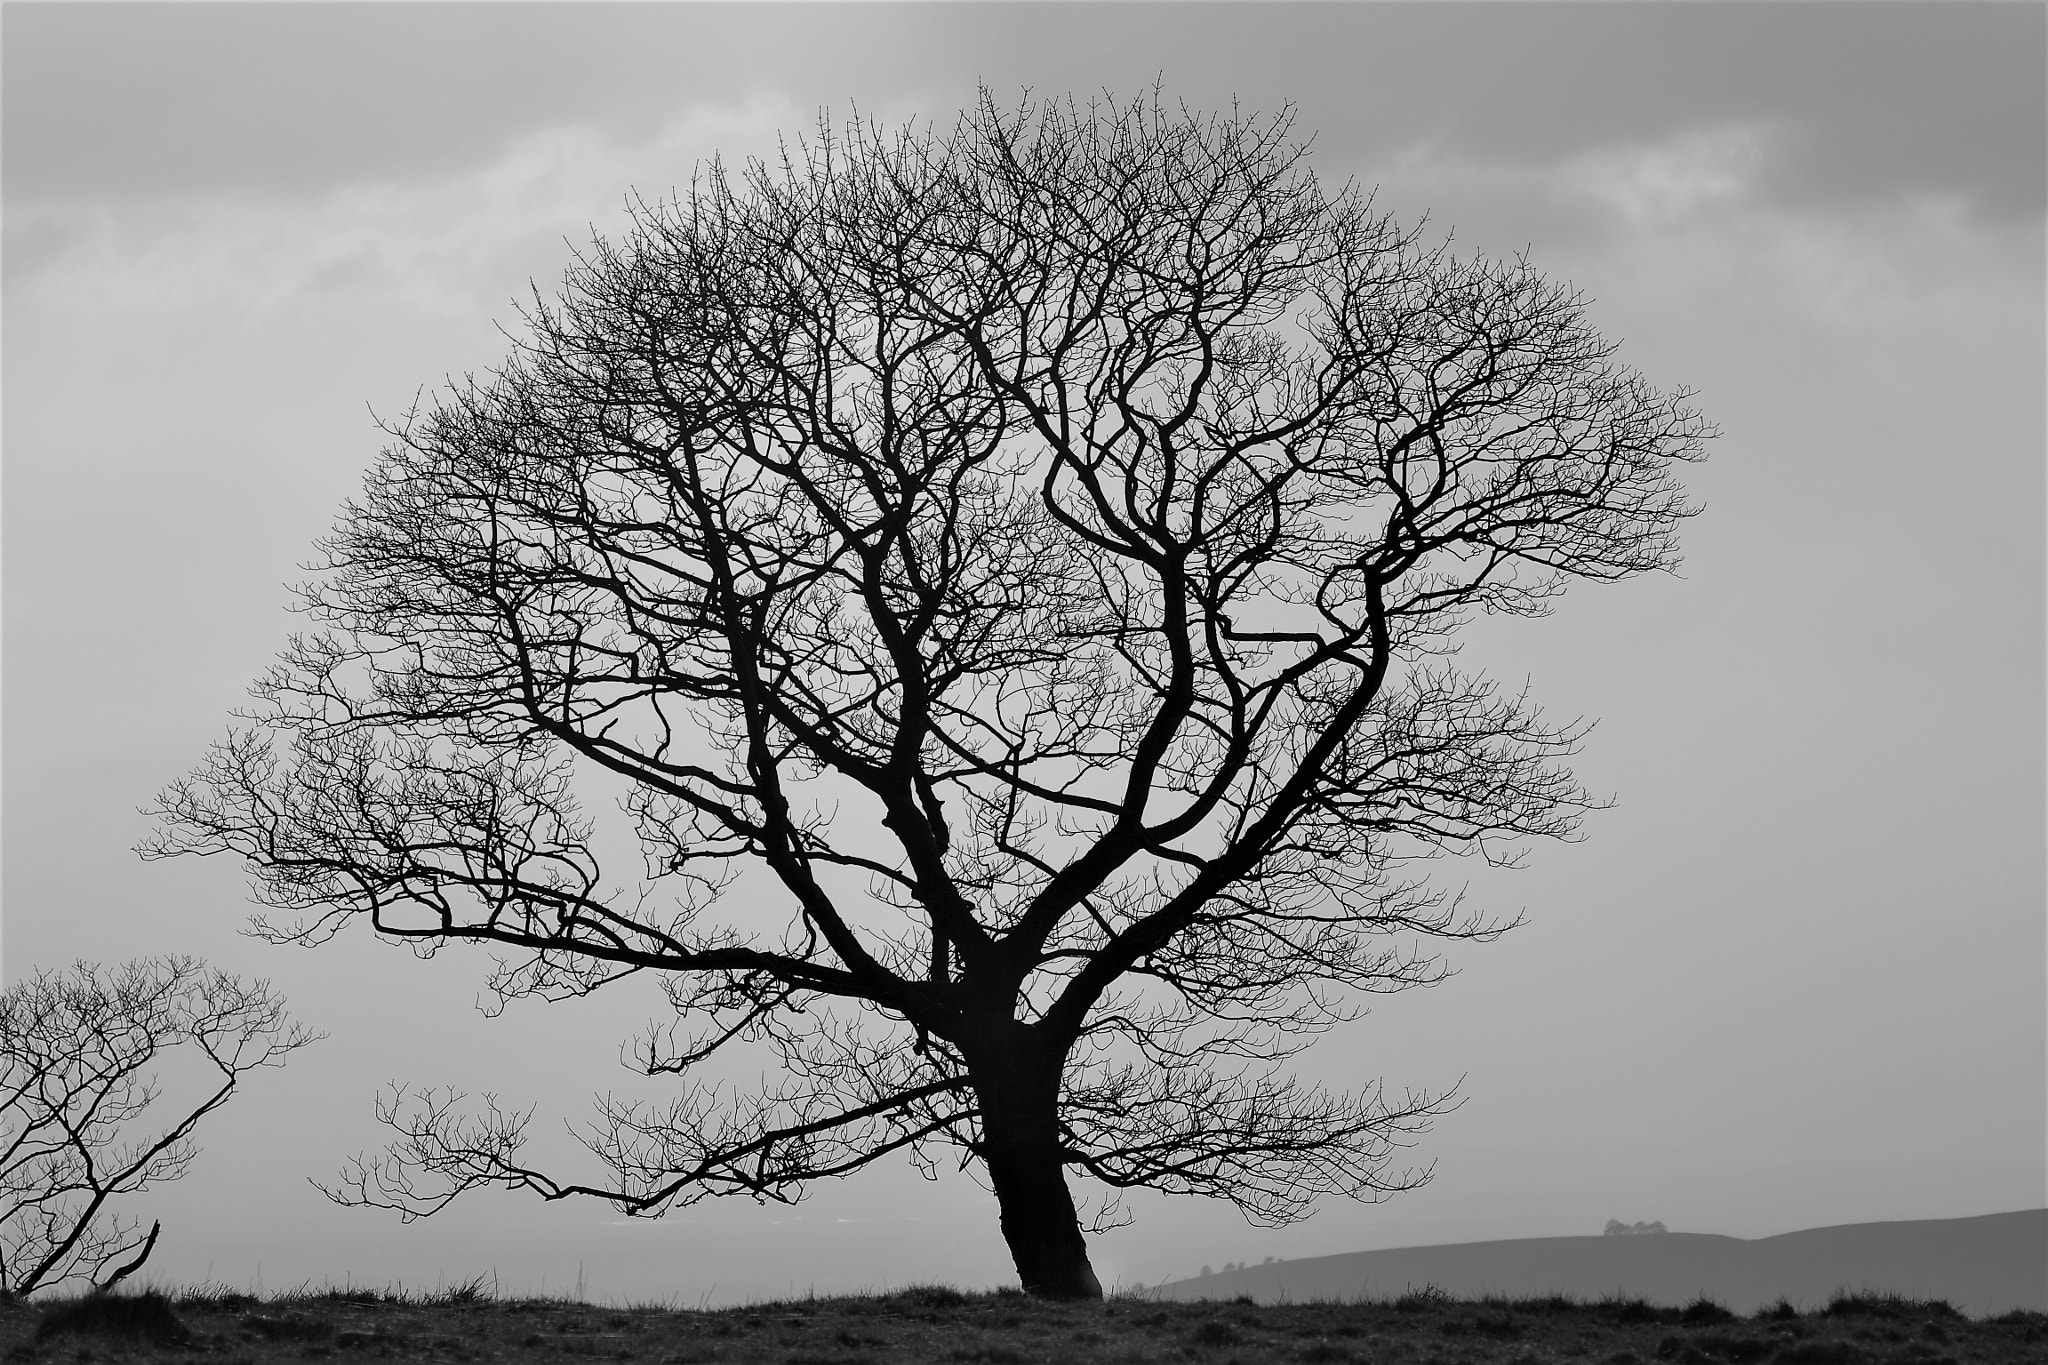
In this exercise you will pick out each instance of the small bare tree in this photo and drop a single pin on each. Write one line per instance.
(1029, 557)
(79, 1055)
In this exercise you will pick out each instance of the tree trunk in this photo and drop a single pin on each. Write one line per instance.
(1021, 1148)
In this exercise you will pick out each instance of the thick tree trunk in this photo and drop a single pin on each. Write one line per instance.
(1041, 1226)
(1020, 1147)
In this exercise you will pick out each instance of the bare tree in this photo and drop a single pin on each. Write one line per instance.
(79, 1053)
(1029, 558)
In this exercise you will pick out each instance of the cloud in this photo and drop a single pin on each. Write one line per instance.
(451, 244)
(1689, 208)
(1694, 172)
(1694, 212)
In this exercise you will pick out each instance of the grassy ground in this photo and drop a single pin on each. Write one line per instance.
(942, 1326)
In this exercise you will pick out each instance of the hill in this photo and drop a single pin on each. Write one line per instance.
(1981, 1265)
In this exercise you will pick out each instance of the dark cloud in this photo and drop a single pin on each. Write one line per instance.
(1876, 100)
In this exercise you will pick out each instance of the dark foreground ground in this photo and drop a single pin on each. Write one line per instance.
(943, 1326)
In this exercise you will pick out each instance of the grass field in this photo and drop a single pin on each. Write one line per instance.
(943, 1326)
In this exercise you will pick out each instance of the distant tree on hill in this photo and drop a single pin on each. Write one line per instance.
(1025, 563)
(1617, 1228)
(78, 1056)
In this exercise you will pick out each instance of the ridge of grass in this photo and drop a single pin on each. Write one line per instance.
(943, 1325)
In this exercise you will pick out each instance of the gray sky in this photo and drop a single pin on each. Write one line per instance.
(1795, 978)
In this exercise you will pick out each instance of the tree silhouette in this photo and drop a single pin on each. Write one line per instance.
(1021, 564)
(78, 1058)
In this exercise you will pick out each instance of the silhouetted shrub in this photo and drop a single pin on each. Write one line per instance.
(121, 1317)
(1704, 1312)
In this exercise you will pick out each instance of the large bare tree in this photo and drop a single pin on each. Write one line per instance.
(1019, 563)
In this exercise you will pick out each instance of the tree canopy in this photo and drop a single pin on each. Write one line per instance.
(1024, 564)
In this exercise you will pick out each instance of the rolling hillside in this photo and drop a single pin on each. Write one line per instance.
(1980, 1265)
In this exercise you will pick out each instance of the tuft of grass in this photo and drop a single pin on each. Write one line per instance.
(1887, 1306)
(472, 1290)
(215, 1297)
(1216, 1333)
(1704, 1312)
(350, 1295)
(1422, 1300)
(929, 1296)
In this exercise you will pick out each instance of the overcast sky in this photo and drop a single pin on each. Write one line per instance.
(1795, 978)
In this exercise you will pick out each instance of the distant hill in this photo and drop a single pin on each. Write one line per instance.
(1981, 1266)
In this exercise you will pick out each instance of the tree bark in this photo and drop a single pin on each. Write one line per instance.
(1021, 1148)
